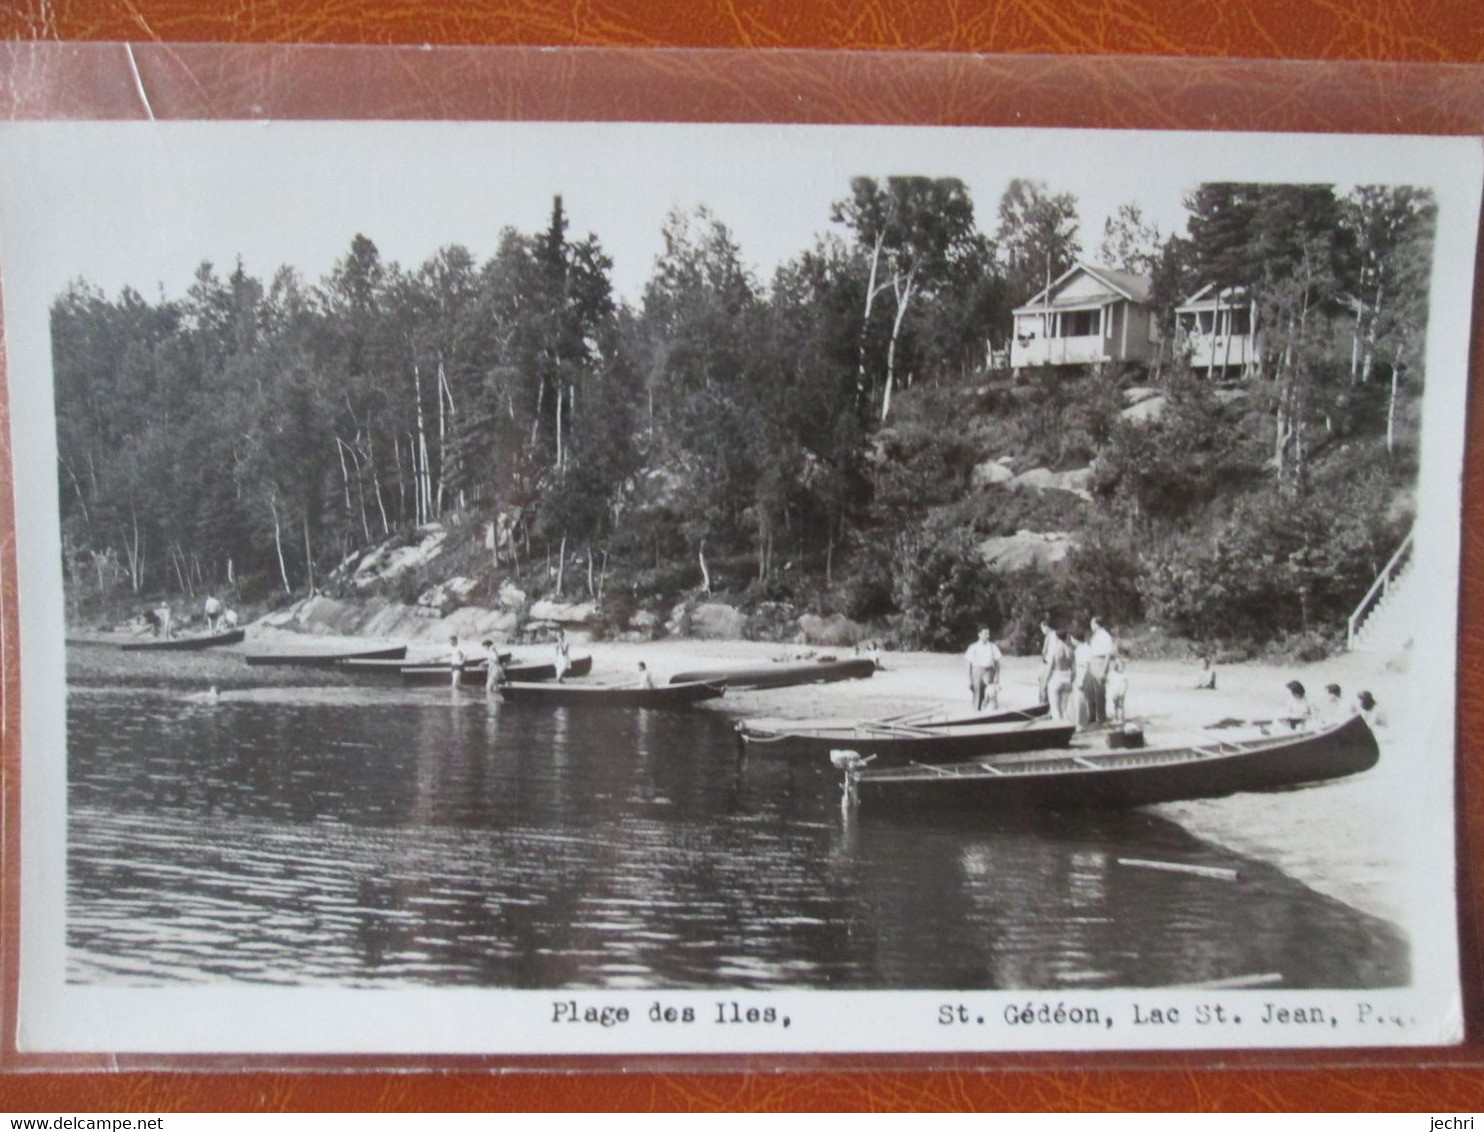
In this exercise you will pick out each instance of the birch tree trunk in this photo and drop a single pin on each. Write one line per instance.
(308, 555)
(904, 296)
(283, 570)
(871, 290)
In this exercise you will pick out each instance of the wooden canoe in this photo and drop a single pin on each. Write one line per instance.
(1208, 769)
(324, 659)
(396, 666)
(475, 672)
(187, 644)
(780, 675)
(598, 695)
(766, 727)
(890, 744)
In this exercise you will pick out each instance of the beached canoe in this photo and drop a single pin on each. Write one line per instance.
(324, 659)
(1211, 768)
(895, 744)
(766, 727)
(186, 644)
(598, 695)
(475, 672)
(780, 675)
(395, 666)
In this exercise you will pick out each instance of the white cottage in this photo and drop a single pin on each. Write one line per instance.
(1089, 316)
(1214, 331)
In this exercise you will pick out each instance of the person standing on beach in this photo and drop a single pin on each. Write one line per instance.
(1117, 690)
(983, 658)
(1060, 662)
(456, 661)
(563, 656)
(1080, 705)
(162, 620)
(1100, 645)
(1048, 650)
(213, 610)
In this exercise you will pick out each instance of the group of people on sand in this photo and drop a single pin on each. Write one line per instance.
(218, 618)
(459, 660)
(1083, 679)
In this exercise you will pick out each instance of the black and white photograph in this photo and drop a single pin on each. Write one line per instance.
(652, 588)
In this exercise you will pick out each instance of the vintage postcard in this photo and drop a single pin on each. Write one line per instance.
(569, 588)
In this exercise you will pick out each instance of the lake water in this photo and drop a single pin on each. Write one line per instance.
(417, 837)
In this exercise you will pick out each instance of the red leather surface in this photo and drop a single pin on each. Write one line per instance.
(1411, 30)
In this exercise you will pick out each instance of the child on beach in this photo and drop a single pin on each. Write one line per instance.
(1205, 681)
(1117, 689)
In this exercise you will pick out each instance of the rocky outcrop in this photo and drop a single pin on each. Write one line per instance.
(991, 473)
(1044, 479)
(835, 630)
(1027, 550)
(1147, 410)
(563, 613)
(387, 562)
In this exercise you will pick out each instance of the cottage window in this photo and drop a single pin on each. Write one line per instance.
(1239, 320)
(1080, 324)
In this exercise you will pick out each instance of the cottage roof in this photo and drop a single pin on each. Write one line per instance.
(1115, 284)
(1209, 296)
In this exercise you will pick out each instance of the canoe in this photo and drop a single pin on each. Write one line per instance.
(597, 695)
(324, 659)
(894, 744)
(1208, 769)
(474, 672)
(396, 665)
(765, 727)
(186, 644)
(780, 675)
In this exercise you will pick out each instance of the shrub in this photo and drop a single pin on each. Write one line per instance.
(943, 589)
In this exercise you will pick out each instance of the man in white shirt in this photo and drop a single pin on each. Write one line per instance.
(983, 658)
(1100, 644)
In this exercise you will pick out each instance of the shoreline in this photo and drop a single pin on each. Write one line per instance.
(1334, 837)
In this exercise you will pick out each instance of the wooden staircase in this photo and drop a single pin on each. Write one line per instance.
(1383, 621)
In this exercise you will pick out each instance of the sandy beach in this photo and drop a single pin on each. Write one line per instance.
(1338, 838)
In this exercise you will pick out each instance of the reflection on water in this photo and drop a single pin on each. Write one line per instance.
(341, 836)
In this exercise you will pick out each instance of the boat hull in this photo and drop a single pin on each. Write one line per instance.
(1125, 777)
(187, 644)
(668, 696)
(767, 727)
(889, 746)
(780, 675)
(323, 659)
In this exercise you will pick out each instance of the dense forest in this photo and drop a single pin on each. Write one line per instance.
(809, 441)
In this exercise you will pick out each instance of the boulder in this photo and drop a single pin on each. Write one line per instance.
(1037, 479)
(990, 473)
(510, 597)
(1148, 410)
(712, 620)
(834, 630)
(387, 562)
(475, 623)
(564, 613)
(1027, 550)
(1078, 482)
(448, 594)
